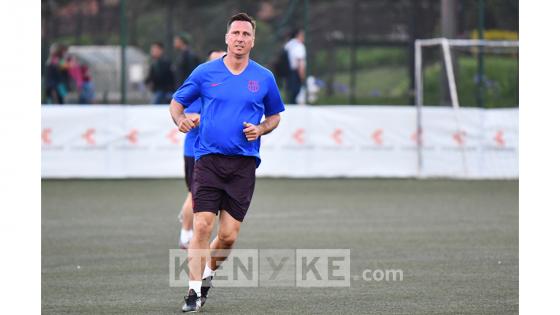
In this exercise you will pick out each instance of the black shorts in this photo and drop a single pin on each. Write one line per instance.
(224, 182)
(189, 171)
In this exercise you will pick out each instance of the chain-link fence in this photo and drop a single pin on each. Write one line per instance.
(359, 51)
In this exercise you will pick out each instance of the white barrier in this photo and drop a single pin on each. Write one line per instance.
(332, 141)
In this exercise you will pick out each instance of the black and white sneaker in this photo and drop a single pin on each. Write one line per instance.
(192, 302)
(206, 285)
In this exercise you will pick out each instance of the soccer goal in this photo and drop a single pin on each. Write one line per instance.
(445, 59)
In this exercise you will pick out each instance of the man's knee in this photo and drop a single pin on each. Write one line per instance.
(227, 238)
(202, 226)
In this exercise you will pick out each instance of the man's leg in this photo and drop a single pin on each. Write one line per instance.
(187, 221)
(188, 213)
(236, 197)
(223, 242)
(186, 216)
(198, 247)
(239, 194)
(220, 249)
(294, 86)
(198, 251)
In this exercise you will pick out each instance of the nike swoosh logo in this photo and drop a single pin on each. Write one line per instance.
(215, 84)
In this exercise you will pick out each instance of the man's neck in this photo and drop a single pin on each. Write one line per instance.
(236, 64)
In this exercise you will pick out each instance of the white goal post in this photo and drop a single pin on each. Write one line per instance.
(419, 94)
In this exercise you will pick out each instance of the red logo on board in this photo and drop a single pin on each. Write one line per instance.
(132, 136)
(377, 136)
(46, 136)
(298, 136)
(88, 136)
(459, 137)
(337, 136)
(416, 137)
(499, 138)
(253, 86)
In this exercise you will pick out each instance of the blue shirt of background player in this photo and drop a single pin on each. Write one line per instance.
(190, 137)
(228, 100)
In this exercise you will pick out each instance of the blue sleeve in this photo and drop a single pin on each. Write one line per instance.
(187, 93)
(272, 101)
(195, 107)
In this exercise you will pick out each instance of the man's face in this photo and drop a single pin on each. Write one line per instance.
(301, 36)
(178, 43)
(240, 38)
(155, 51)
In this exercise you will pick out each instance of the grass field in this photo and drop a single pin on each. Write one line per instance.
(456, 242)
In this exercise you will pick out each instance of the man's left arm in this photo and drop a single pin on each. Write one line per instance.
(273, 107)
(253, 132)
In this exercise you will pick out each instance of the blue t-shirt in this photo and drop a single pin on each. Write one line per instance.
(228, 100)
(190, 137)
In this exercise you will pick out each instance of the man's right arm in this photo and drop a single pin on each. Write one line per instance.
(177, 112)
(185, 122)
(183, 98)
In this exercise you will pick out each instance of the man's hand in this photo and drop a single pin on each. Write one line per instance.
(188, 122)
(184, 122)
(251, 131)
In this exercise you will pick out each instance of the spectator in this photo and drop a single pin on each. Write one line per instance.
(75, 72)
(160, 77)
(282, 69)
(55, 75)
(87, 88)
(187, 60)
(296, 55)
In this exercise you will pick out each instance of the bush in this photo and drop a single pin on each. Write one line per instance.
(500, 83)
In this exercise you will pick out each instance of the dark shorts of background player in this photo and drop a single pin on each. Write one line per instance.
(189, 171)
(224, 182)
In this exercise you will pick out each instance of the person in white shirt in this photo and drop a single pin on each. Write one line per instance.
(296, 54)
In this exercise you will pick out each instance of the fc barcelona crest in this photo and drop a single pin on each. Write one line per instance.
(253, 86)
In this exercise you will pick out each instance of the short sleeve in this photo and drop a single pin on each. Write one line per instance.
(273, 101)
(299, 51)
(195, 107)
(189, 91)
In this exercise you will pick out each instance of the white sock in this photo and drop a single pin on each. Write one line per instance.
(186, 236)
(208, 272)
(195, 285)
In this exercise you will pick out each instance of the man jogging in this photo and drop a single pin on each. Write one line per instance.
(186, 214)
(235, 93)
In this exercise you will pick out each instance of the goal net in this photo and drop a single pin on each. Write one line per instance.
(464, 75)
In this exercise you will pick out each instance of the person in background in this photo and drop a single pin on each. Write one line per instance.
(55, 75)
(186, 61)
(87, 88)
(296, 55)
(160, 77)
(75, 73)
